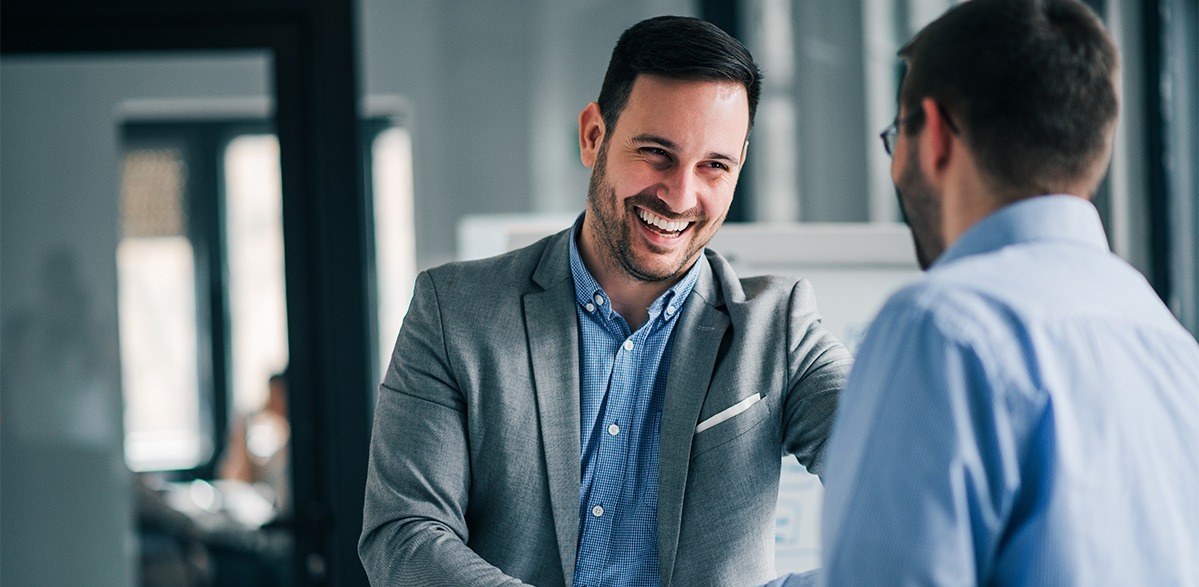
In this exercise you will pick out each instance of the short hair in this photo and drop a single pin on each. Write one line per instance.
(1031, 84)
(676, 47)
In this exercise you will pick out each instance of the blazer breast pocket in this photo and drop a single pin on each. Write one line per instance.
(728, 424)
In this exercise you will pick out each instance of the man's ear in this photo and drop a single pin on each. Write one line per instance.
(591, 133)
(938, 141)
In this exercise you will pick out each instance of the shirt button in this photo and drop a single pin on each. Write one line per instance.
(628, 345)
(590, 307)
(599, 300)
(670, 310)
(597, 511)
(613, 429)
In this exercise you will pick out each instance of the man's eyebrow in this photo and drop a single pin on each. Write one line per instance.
(723, 157)
(669, 144)
(647, 138)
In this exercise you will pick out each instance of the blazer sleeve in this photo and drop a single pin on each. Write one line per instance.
(418, 480)
(818, 369)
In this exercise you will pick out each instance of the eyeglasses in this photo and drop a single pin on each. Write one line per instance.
(891, 133)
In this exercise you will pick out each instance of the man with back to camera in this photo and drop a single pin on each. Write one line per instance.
(608, 406)
(1028, 413)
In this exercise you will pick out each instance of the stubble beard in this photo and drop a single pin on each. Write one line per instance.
(613, 231)
(921, 210)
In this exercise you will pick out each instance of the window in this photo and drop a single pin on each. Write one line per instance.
(395, 260)
(254, 240)
(157, 296)
(831, 86)
(203, 322)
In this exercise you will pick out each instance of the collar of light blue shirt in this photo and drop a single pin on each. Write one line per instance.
(1041, 218)
(592, 297)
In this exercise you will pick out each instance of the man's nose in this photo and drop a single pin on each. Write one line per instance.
(679, 189)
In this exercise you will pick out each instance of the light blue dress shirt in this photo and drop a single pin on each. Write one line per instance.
(1027, 414)
(623, 384)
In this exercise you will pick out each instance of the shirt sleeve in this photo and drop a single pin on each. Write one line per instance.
(923, 461)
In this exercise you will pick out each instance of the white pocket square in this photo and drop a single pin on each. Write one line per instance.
(728, 412)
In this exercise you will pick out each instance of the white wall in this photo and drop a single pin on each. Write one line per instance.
(66, 511)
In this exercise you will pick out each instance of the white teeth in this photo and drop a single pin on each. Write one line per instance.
(664, 224)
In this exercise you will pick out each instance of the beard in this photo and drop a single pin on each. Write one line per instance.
(613, 229)
(921, 209)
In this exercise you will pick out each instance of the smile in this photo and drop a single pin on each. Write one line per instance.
(662, 225)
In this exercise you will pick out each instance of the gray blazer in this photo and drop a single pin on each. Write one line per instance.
(475, 456)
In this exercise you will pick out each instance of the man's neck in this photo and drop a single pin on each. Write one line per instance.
(969, 197)
(631, 297)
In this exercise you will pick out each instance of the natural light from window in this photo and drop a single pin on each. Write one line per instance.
(157, 316)
(395, 257)
(254, 241)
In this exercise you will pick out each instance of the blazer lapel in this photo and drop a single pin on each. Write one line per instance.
(697, 340)
(552, 329)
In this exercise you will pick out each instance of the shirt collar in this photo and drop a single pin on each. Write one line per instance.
(591, 296)
(1042, 218)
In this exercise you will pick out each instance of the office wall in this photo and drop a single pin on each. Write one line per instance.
(66, 512)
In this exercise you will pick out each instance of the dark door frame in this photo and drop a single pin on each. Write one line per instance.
(326, 244)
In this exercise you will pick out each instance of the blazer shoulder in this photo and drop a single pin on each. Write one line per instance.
(754, 290)
(769, 288)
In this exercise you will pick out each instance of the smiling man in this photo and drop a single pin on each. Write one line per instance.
(608, 406)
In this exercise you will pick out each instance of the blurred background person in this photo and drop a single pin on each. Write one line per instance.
(258, 451)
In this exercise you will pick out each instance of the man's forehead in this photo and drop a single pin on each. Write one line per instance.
(724, 89)
(667, 106)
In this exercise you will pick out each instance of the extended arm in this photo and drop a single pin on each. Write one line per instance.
(818, 370)
(418, 482)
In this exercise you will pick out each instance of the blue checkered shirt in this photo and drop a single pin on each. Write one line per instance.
(623, 384)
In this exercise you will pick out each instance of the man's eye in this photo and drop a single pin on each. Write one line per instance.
(654, 151)
(717, 165)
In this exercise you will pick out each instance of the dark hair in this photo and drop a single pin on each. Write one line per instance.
(676, 47)
(1030, 83)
